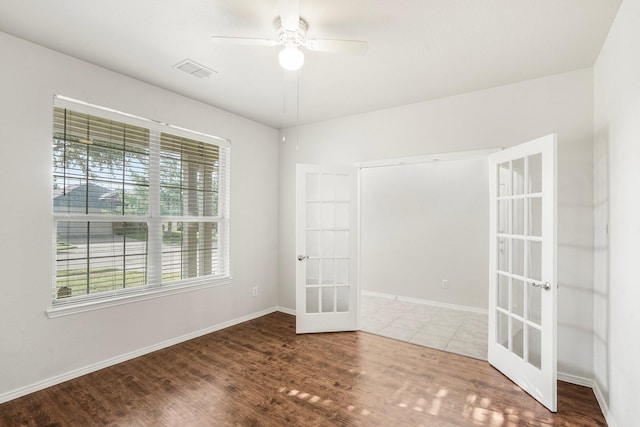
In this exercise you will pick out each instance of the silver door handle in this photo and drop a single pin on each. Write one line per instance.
(302, 257)
(546, 286)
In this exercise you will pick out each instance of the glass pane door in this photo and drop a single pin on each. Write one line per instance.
(522, 305)
(325, 290)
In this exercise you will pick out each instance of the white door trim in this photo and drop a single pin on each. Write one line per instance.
(427, 158)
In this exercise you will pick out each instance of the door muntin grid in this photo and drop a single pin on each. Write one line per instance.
(328, 268)
(519, 257)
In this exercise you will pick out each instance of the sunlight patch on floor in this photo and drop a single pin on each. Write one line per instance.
(317, 399)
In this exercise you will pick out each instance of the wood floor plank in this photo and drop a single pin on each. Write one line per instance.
(260, 373)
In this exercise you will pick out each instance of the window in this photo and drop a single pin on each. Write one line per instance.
(138, 206)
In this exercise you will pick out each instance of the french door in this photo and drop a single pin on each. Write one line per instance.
(522, 285)
(326, 244)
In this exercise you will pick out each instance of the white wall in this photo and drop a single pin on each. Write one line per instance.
(35, 348)
(422, 223)
(498, 117)
(617, 175)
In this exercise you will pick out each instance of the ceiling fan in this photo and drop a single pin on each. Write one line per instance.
(291, 32)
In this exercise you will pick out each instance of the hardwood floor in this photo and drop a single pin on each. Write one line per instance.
(260, 373)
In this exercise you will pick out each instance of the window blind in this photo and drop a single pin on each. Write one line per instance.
(137, 204)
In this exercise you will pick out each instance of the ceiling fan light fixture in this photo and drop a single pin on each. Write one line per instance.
(291, 58)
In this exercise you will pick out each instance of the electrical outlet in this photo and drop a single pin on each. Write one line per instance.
(445, 284)
(254, 291)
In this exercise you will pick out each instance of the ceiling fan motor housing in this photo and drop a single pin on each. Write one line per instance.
(291, 37)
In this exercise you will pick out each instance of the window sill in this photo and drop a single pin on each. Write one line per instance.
(84, 306)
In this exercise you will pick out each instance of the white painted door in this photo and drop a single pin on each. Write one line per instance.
(522, 284)
(326, 244)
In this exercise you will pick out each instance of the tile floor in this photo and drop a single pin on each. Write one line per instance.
(457, 331)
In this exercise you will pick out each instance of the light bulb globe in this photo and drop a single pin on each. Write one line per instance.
(291, 58)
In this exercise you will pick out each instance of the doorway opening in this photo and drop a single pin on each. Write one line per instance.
(424, 262)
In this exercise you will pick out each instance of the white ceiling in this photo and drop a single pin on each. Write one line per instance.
(418, 49)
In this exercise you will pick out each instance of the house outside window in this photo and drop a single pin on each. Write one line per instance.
(138, 206)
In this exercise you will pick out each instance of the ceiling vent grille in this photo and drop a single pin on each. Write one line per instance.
(193, 68)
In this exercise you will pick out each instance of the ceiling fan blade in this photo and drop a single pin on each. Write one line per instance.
(289, 14)
(243, 41)
(352, 47)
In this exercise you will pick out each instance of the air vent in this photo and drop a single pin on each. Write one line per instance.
(193, 68)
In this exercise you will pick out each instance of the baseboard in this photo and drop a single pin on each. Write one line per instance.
(427, 302)
(40, 385)
(575, 379)
(286, 310)
(604, 407)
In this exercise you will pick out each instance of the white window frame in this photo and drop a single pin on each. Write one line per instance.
(83, 303)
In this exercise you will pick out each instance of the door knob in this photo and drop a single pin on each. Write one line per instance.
(546, 286)
(302, 257)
